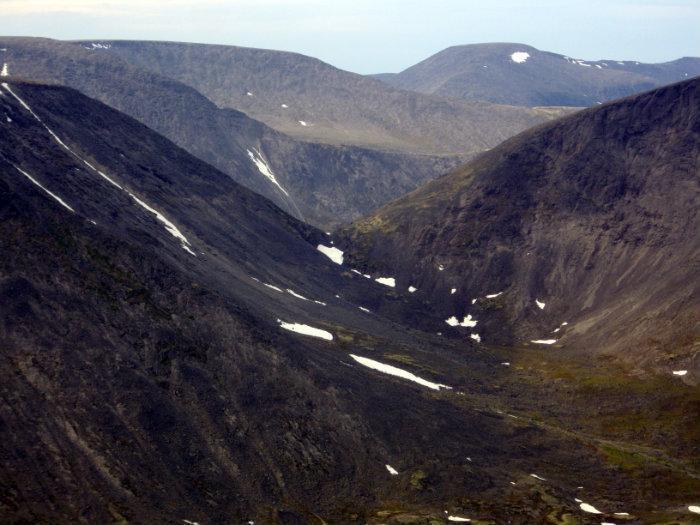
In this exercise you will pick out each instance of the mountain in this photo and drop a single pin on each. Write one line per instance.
(177, 349)
(584, 232)
(520, 75)
(312, 100)
(322, 184)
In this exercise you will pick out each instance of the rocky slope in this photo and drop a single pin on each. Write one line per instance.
(147, 378)
(324, 185)
(517, 74)
(312, 100)
(591, 221)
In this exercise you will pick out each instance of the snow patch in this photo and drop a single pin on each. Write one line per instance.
(392, 470)
(493, 295)
(303, 123)
(386, 281)
(520, 57)
(97, 45)
(412, 289)
(540, 304)
(694, 508)
(544, 341)
(468, 321)
(5, 71)
(364, 309)
(334, 254)
(585, 507)
(476, 337)
(398, 372)
(305, 329)
(680, 372)
(453, 291)
(264, 168)
(537, 477)
(457, 518)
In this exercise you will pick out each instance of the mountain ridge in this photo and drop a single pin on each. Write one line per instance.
(323, 184)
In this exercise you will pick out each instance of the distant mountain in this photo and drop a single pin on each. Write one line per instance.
(312, 100)
(322, 184)
(584, 232)
(521, 75)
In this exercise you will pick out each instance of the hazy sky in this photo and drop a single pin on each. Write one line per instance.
(370, 36)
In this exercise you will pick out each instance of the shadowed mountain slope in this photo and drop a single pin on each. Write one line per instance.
(147, 376)
(325, 185)
(592, 220)
(517, 74)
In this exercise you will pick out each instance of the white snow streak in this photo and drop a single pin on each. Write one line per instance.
(537, 477)
(680, 372)
(169, 226)
(303, 123)
(412, 289)
(694, 508)
(453, 291)
(398, 372)
(334, 254)
(494, 295)
(540, 304)
(292, 292)
(544, 341)
(392, 470)
(5, 71)
(306, 330)
(457, 518)
(61, 201)
(476, 337)
(264, 168)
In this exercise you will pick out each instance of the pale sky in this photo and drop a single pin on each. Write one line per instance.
(372, 36)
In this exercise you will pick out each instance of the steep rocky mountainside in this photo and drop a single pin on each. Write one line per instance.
(517, 74)
(312, 100)
(324, 185)
(177, 349)
(591, 221)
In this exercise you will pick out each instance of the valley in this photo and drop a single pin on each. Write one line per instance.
(244, 286)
